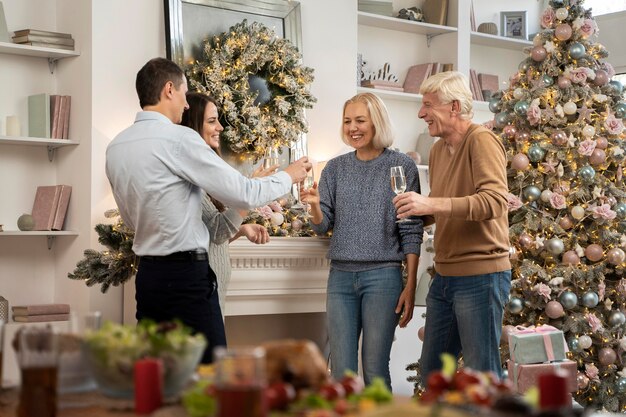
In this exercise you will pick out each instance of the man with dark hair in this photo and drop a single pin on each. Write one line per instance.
(158, 170)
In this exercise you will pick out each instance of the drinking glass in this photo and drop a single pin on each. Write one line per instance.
(270, 158)
(240, 382)
(296, 153)
(398, 184)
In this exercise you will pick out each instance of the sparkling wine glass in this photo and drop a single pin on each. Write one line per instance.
(296, 153)
(398, 184)
(270, 158)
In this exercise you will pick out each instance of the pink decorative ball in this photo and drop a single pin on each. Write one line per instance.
(506, 332)
(564, 82)
(538, 53)
(582, 380)
(602, 77)
(520, 162)
(570, 258)
(563, 32)
(509, 132)
(602, 143)
(597, 157)
(554, 309)
(522, 136)
(566, 223)
(525, 240)
(615, 256)
(296, 224)
(607, 356)
(558, 137)
(420, 333)
(594, 252)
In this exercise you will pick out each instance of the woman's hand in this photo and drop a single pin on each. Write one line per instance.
(264, 172)
(310, 195)
(255, 233)
(405, 306)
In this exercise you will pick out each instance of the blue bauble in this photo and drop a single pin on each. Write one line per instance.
(536, 153)
(557, 4)
(620, 209)
(620, 110)
(520, 108)
(576, 50)
(590, 299)
(617, 86)
(568, 299)
(620, 385)
(616, 318)
(547, 80)
(501, 119)
(495, 105)
(515, 305)
(587, 173)
(574, 345)
(531, 193)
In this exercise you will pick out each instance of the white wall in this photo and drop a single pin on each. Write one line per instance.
(611, 27)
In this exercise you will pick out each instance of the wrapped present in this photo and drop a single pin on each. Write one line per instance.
(537, 344)
(524, 376)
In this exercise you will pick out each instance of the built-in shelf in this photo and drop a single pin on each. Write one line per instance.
(52, 54)
(403, 25)
(50, 144)
(392, 95)
(485, 39)
(50, 234)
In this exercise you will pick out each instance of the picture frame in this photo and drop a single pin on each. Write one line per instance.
(513, 24)
(189, 22)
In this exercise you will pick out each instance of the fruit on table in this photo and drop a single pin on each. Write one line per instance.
(332, 391)
(279, 395)
(352, 383)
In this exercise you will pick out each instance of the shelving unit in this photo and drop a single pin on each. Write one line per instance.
(394, 23)
(52, 54)
(495, 41)
(50, 144)
(50, 234)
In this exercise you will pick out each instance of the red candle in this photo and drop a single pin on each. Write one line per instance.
(148, 385)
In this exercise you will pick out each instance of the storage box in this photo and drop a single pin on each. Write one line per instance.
(524, 376)
(536, 344)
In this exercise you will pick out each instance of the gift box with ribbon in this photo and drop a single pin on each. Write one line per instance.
(536, 344)
(524, 376)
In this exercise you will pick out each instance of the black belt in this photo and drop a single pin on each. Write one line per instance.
(185, 256)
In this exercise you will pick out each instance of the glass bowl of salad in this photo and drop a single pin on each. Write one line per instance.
(112, 351)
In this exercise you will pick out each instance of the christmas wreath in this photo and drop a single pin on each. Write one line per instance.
(251, 121)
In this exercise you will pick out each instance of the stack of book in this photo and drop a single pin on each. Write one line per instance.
(43, 38)
(41, 312)
(382, 7)
(50, 206)
(417, 74)
(49, 116)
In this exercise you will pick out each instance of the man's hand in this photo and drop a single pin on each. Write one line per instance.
(297, 170)
(412, 204)
(255, 233)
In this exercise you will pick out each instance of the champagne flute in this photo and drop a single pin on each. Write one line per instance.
(270, 158)
(398, 184)
(296, 153)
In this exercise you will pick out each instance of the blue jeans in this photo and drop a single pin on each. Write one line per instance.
(362, 302)
(464, 314)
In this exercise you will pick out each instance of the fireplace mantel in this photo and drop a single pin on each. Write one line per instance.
(286, 275)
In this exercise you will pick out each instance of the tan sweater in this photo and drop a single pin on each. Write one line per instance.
(474, 239)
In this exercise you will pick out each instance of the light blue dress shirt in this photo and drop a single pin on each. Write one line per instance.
(157, 171)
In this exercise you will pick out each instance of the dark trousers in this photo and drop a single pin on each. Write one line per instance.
(184, 290)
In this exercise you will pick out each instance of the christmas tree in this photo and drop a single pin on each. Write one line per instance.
(561, 122)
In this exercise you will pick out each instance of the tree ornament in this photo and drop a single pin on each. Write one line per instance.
(582, 380)
(558, 137)
(525, 65)
(509, 132)
(570, 258)
(564, 82)
(555, 4)
(597, 157)
(620, 385)
(494, 105)
(611, 200)
(568, 299)
(545, 196)
(569, 108)
(522, 136)
(520, 108)
(518, 93)
(607, 356)
(577, 212)
(615, 256)
(566, 223)
(620, 110)
(620, 210)
(576, 50)
(594, 252)
(617, 86)
(590, 299)
(26, 222)
(531, 193)
(574, 345)
(555, 246)
(501, 119)
(586, 173)
(515, 305)
(525, 240)
(554, 309)
(616, 318)
(277, 219)
(538, 53)
(602, 77)
(536, 153)
(547, 80)
(520, 162)
(585, 342)
(588, 131)
(602, 143)
(513, 255)
(561, 13)
(563, 32)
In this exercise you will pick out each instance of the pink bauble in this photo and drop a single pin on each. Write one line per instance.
(520, 162)
(420, 333)
(554, 309)
(602, 143)
(582, 380)
(525, 240)
(566, 223)
(594, 252)
(564, 82)
(570, 258)
(597, 157)
(506, 332)
(563, 32)
(538, 53)
(611, 200)
(558, 137)
(522, 136)
(296, 224)
(615, 256)
(509, 132)
(602, 77)
(607, 356)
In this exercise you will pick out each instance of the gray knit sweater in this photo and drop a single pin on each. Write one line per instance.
(356, 201)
